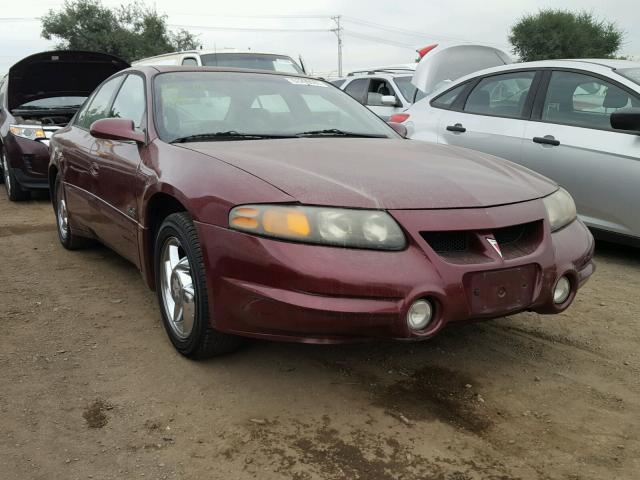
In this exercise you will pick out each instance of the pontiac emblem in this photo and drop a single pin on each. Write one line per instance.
(492, 241)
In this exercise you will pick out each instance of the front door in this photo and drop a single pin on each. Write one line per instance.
(116, 165)
(573, 143)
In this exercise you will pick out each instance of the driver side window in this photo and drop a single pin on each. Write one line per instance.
(98, 107)
(378, 88)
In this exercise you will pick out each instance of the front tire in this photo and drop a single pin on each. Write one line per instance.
(15, 192)
(182, 291)
(67, 238)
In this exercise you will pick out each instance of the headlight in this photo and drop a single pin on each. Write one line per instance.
(561, 209)
(32, 132)
(343, 227)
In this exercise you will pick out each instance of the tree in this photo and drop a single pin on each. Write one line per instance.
(130, 32)
(563, 34)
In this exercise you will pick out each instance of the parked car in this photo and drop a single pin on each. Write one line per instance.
(384, 91)
(574, 121)
(38, 96)
(227, 58)
(275, 206)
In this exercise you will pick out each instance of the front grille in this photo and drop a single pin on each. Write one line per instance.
(469, 246)
(445, 242)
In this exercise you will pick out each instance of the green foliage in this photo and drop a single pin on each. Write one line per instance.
(553, 34)
(131, 31)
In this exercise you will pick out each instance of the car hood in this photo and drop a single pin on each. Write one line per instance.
(60, 73)
(380, 173)
(447, 62)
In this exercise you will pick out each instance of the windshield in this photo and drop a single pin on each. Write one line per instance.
(632, 74)
(406, 87)
(202, 103)
(54, 102)
(254, 61)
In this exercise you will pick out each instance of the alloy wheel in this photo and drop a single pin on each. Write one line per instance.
(62, 213)
(5, 171)
(177, 288)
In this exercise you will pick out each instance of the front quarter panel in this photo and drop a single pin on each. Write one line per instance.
(207, 187)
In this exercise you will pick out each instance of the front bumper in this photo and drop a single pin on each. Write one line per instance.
(290, 291)
(29, 160)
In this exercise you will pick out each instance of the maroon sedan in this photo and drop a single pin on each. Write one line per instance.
(276, 206)
(38, 96)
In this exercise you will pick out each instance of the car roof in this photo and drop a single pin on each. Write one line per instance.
(155, 69)
(595, 65)
(212, 51)
(588, 64)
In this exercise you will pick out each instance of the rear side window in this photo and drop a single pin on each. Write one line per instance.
(447, 98)
(130, 102)
(190, 61)
(501, 95)
(98, 107)
(358, 89)
(583, 100)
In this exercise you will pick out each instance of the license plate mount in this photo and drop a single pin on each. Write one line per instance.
(500, 291)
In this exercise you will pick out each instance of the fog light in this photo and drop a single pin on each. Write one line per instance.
(562, 291)
(419, 314)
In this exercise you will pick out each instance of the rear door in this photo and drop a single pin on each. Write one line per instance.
(491, 115)
(570, 140)
(116, 164)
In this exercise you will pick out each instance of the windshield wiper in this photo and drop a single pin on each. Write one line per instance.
(231, 134)
(334, 132)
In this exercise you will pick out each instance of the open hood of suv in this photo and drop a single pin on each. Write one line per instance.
(60, 73)
(447, 62)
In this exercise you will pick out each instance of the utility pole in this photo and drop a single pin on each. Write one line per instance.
(338, 32)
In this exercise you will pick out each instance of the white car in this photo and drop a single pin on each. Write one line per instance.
(574, 121)
(384, 90)
(226, 58)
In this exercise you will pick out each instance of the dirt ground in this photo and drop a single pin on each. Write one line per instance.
(90, 386)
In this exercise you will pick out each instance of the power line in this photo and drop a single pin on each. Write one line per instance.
(249, 29)
(371, 38)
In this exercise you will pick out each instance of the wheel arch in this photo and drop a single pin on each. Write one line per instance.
(158, 207)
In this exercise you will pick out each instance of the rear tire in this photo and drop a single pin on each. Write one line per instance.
(67, 238)
(14, 190)
(182, 291)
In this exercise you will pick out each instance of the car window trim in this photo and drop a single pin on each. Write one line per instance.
(544, 88)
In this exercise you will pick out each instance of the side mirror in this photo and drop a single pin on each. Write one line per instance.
(626, 119)
(389, 100)
(116, 129)
(399, 128)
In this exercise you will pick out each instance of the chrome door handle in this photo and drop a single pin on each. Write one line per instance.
(94, 169)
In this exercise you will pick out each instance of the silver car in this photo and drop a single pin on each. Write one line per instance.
(574, 121)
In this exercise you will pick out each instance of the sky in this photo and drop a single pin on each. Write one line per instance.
(376, 32)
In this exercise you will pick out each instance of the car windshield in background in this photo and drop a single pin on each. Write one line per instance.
(406, 87)
(274, 63)
(53, 103)
(233, 105)
(632, 74)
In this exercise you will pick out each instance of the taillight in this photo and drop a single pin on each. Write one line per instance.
(423, 51)
(399, 117)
